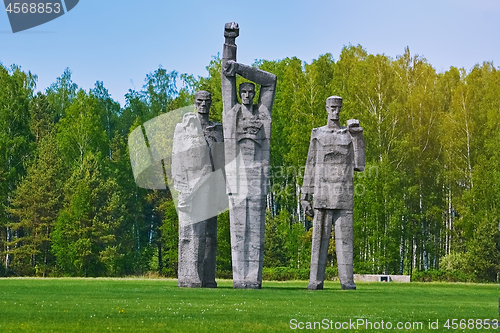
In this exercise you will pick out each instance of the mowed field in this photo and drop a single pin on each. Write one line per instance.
(158, 305)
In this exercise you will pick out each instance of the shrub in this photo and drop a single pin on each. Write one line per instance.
(454, 261)
(443, 276)
(331, 273)
(224, 274)
(287, 273)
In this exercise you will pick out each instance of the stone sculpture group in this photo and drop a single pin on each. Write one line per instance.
(240, 149)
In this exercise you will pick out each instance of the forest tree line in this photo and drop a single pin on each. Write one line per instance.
(429, 198)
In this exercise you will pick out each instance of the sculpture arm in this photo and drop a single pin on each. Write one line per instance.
(307, 206)
(307, 191)
(228, 82)
(308, 182)
(358, 143)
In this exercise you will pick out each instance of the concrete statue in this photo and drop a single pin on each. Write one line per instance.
(335, 152)
(247, 133)
(197, 153)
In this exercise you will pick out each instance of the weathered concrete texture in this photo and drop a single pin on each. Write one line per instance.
(247, 217)
(335, 152)
(197, 148)
(247, 133)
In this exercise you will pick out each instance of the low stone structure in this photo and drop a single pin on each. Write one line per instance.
(382, 278)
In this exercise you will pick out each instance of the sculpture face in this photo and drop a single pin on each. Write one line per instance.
(247, 93)
(203, 103)
(333, 109)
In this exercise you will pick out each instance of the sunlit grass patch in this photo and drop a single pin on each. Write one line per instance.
(158, 305)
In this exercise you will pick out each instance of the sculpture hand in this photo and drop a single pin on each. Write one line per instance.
(231, 30)
(306, 205)
(230, 68)
(353, 126)
(352, 123)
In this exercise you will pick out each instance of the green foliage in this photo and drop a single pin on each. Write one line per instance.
(224, 265)
(442, 276)
(284, 273)
(454, 261)
(35, 204)
(170, 239)
(75, 237)
(61, 93)
(42, 116)
(86, 231)
(81, 130)
(285, 242)
(16, 145)
(290, 273)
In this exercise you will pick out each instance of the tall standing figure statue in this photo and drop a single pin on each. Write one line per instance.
(247, 133)
(335, 152)
(197, 153)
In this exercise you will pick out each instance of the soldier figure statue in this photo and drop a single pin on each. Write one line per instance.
(197, 153)
(247, 133)
(334, 153)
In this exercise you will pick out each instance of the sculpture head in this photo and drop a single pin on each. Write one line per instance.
(247, 93)
(333, 106)
(202, 101)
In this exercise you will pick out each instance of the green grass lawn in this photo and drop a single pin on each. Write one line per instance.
(158, 305)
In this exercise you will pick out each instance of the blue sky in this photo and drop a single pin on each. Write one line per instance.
(119, 42)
